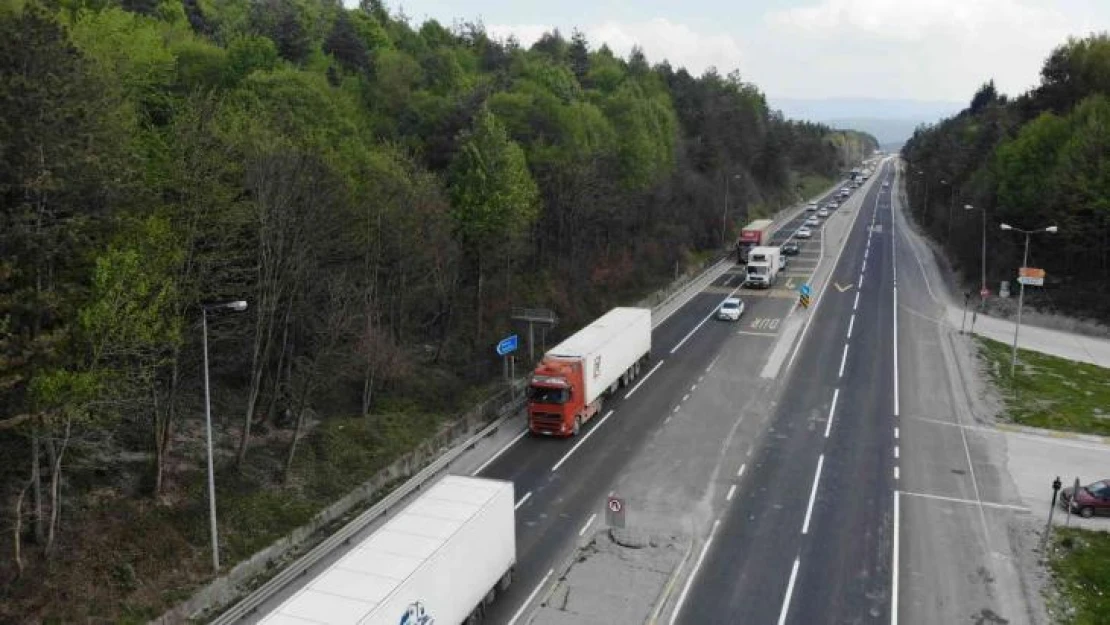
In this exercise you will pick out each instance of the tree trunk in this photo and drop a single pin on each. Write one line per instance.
(36, 486)
(17, 531)
(164, 434)
(301, 403)
(56, 486)
(159, 444)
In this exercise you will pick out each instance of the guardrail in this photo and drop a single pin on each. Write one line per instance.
(259, 596)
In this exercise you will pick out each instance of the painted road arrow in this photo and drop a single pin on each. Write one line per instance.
(841, 288)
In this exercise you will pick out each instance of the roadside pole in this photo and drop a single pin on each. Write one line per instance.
(967, 298)
(1074, 490)
(1048, 528)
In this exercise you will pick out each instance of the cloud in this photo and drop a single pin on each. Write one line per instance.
(917, 48)
(661, 39)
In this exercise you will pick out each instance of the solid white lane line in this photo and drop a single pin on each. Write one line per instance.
(813, 493)
(584, 439)
(740, 473)
(520, 503)
(644, 379)
(703, 321)
(970, 502)
(531, 596)
(789, 592)
(731, 492)
(843, 361)
(832, 411)
(895, 315)
(499, 452)
(694, 573)
(589, 522)
(855, 304)
(894, 564)
(851, 324)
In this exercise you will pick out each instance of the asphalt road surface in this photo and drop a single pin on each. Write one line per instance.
(809, 538)
(560, 483)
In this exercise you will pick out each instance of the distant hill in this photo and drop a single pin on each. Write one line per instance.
(891, 121)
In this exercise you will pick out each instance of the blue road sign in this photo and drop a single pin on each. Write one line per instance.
(507, 345)
(804, 289)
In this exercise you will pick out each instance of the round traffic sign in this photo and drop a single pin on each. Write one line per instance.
(615, 504)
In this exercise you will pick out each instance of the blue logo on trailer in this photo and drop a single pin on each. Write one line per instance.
(507, 345)
(804, 289)
(415, 614)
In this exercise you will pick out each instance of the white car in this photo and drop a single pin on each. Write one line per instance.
(803, 233)
(823, 213)
(731, 309)
(812, 221)
(834, 205)
(812, 206)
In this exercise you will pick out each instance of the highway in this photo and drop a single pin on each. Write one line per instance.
(809, 538)
(695, 415)
(560, 483)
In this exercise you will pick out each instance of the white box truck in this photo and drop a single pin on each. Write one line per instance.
(763, 267)
(441, 560)
(572, 380)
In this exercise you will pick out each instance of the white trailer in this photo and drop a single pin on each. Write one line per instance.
(608, 348)
(763, 266)
(440, 560)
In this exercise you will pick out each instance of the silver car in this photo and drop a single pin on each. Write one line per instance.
(731, 309)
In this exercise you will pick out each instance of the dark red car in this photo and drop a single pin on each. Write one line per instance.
(1092, 499)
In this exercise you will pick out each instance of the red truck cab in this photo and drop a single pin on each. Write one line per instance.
(555, 399)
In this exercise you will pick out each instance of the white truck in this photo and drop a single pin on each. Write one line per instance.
(763, 267)
(441, 560)
(572, 380)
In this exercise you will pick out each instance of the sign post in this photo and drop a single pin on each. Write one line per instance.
(804, 293)
(1033, 277)
(614, 511)
(505, 347)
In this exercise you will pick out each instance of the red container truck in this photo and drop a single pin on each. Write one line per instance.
(574, 377)
(754, 234)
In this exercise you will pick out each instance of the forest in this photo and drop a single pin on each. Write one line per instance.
(380, 193)
(1030, 161)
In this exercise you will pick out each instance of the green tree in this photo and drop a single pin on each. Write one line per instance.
(493, 196)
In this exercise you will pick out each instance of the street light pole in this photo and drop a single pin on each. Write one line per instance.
(237, 306)
(1021, 288)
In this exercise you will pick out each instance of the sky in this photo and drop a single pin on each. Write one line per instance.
(938, 50)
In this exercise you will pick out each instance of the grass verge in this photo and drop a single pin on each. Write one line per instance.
(810, 185)
(1080, 563)
(1050, 392)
